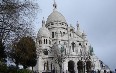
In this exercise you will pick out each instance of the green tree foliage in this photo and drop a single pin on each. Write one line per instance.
(12, 69)
(24, 52)
(16, 18)
(3, 68)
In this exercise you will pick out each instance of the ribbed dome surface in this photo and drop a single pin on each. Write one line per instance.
(55, 16)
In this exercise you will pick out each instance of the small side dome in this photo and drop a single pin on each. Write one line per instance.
(43, 31)
(55, 16)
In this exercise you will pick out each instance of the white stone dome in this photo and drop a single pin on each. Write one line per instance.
(55, 16)
(43, 32)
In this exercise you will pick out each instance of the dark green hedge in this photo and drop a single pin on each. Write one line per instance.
(5, 69)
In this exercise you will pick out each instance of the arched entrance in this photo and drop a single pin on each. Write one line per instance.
(71, 66)
(88, 66)
(80, 66)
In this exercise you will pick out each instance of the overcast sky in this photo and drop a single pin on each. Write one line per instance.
(96, 17)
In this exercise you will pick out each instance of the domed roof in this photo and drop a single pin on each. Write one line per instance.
(55, 16)
(43, 31)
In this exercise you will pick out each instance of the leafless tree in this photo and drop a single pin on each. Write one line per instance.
(16, 17)
(59, 55)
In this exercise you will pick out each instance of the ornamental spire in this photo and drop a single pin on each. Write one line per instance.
(78, 28)
(43, 22)
(84, 35)
(55, 5)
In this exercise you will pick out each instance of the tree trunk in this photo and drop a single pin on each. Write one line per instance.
(32, 69)
(24, 66)
(17, 66)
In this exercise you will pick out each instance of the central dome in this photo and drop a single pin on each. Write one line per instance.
(55, 16)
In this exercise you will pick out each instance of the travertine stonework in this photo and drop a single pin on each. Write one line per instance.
(56, 38)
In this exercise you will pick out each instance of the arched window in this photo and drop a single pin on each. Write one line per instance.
(81, 51)
(61, 33)
(49, 42)
(40, 42)
(47, 65)
(44, 41)
(44, 66)
(70, 34)
(79, 44)
(65, 51)
(73, 45)
(51, 66)
(52, 23)
(52, 34)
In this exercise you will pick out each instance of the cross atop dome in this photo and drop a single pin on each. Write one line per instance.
(55, 5)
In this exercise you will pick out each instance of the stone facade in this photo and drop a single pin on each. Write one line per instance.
(59, 44)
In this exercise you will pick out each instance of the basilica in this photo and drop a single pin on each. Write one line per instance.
(62, 48)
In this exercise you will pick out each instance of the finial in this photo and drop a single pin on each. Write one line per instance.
(43, 22)
(84, 35)
(70, 25)
(55, 5)
(78, 26)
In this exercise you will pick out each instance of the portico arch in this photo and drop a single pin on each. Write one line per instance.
(71, 65)
(80, 66)
(88, 66)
